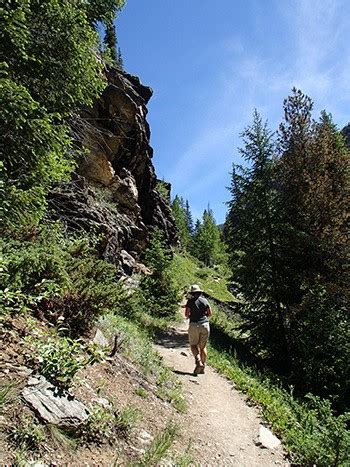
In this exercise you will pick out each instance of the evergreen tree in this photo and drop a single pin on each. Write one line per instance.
(159, 289)
(110, 41)
(287, 233)
(207, 244)
(111, 45)
(103, 11)
(189, 218)
(314, 182)
(252, 230)
(181, 221)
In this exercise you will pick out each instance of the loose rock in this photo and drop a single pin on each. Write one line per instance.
(267, 439)
(53, 406)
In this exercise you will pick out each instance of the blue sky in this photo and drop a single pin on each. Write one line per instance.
(211, 63)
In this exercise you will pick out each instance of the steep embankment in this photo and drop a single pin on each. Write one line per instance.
(113, 192)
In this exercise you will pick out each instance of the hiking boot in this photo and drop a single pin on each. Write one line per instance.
(197, 369)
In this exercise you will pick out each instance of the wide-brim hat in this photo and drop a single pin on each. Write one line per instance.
(195, 288)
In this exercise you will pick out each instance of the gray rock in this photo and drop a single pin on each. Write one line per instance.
(103, 402)
(145, 437)
(100, 339)
(53, 406)
(267, 439)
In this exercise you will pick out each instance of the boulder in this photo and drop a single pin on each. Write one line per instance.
(100, 339)
(54, 406)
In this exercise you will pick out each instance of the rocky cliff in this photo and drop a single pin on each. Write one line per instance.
(113, 192)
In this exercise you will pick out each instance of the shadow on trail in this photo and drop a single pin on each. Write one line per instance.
(172, 339)
(183, 373)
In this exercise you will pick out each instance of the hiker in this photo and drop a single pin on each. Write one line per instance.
(198, 311)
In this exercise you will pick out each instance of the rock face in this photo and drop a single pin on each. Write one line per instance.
(113, 192)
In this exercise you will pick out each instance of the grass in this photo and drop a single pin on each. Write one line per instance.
(7, 394)
(185, 459)
(159, 447)
(140, 391)
(62, 439)
(308, 429)
(214, 281)
(138, 347)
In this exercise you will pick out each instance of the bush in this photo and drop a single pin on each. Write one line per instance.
(27, 434)
(62, 278)
(159, 290)
(320, 338)
(104, 424)
(60, 359)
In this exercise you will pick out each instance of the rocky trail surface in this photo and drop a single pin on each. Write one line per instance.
(223, 429)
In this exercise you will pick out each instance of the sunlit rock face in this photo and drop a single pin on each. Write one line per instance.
(113, 191)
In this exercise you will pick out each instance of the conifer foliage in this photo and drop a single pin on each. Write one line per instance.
(207, 244)
(286, 229)
(183, 220)
(253, 227)
(202, 240)
(159, 290)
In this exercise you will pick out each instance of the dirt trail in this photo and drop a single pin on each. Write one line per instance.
(219, 422)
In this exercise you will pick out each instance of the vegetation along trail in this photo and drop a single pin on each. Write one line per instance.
(223, 429)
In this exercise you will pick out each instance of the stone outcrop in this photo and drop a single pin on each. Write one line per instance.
(114, 191)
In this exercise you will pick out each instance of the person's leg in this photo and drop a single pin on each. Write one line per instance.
(193, 337)
(203, 339)
(195, 352)
(204, 354)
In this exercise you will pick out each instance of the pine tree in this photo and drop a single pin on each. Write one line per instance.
(159, 289)
(111, 45)
(252, 230)
(207, 243)
(314, 183)
(110, 41)
(189, 217)
(181, 221)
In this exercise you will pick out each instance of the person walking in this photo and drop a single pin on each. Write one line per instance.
(198, 312)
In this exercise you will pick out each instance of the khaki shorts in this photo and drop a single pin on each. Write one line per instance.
(198, 334)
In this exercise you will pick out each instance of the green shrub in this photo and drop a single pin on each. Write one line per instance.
(104, 424)
(99, 426)
(27, 434)
(125, 420)
(59, 277)
(159, 290)
(60, 359)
